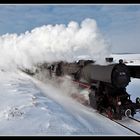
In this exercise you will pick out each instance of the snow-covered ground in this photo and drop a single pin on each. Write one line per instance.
(31, 107)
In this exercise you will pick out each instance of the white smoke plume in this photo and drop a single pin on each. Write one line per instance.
(53, 43)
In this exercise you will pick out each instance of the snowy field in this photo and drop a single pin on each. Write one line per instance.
(31, 107)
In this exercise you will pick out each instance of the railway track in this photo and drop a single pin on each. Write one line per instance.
(126, 126)
(134, 119)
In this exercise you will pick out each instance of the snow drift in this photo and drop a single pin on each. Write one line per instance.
(53, 43)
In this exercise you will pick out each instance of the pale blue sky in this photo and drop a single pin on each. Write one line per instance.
(120, 24)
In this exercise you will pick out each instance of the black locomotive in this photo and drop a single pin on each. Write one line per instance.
(107, 84)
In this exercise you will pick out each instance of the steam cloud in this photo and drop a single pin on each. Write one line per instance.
(53, 43)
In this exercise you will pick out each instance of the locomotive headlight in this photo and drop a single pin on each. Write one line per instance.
(137, 100)
(119, 103)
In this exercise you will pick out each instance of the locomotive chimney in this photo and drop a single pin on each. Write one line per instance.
(109, 59)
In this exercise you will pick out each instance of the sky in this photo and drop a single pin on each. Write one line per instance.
(119, 24)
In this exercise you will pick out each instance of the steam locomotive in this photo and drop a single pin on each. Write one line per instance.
(107, 84)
